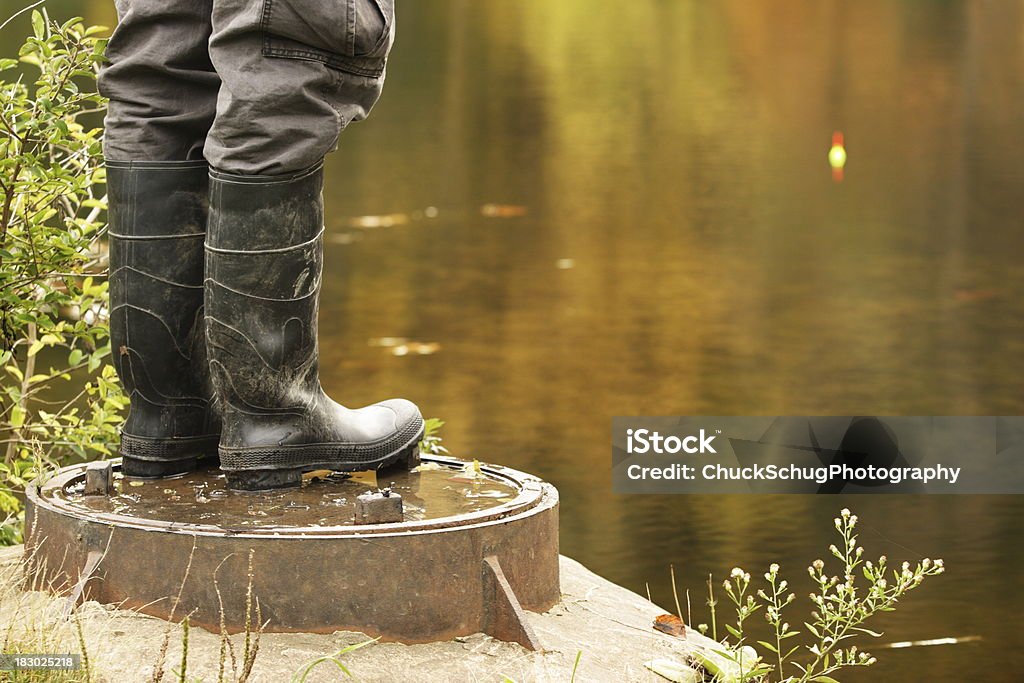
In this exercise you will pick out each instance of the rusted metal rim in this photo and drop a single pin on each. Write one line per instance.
(416, 581)
(531, 494)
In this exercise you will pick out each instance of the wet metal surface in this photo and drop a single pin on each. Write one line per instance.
(324, 500)
(417, 580)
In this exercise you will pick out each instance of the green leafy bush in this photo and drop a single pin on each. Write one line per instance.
(58, 398)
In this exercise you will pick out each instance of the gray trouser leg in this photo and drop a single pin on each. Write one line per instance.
(286, 77)
(295, 73)
(160, 81)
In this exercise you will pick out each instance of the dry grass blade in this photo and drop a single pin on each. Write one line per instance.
(161, 659)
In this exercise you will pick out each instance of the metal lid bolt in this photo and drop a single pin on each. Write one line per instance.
(99, 479)
(383, 506)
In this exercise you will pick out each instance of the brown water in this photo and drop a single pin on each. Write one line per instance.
(633, 214)
(323, 500)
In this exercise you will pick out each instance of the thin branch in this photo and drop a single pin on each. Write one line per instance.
(20, 12)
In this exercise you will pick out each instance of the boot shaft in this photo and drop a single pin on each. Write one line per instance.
(157, 222)
(264, 255)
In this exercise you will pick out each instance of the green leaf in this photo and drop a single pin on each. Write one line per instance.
(824, 679)
(38, 24)
(673, 670)
(873, 634)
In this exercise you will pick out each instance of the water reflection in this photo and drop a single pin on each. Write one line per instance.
(675, 154)
(324, 500)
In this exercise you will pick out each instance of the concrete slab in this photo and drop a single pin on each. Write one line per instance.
(610, 625)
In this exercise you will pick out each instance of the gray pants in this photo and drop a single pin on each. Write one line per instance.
(256, 86)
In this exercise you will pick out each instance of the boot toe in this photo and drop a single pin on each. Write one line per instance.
(407, 415)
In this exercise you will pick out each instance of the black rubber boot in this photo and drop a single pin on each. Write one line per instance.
(157, 224)
(264, 255)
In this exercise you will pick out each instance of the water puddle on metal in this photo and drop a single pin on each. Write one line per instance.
(324, 500)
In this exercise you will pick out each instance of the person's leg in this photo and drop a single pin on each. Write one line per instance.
(295, 72)
(162, 92)
(160, 81)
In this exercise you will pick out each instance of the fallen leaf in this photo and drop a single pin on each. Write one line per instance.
(366, 477)
(383, 221)
(670, 624)
(502, 210)
(677, 672)
(387, 342)
(972, 295)
(417, 348)
(346, 237)
(427, 349)
(470, 471)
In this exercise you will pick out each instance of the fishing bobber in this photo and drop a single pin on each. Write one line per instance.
(837, 156)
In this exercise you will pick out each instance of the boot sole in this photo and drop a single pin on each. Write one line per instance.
(151, 458)
(293, 461)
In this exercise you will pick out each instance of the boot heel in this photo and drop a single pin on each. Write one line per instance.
(156, 469)
(261, 480)
(153, 458)
(406, 460)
